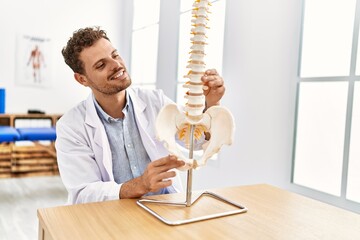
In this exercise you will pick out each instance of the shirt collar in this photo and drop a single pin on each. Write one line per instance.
(104, 116)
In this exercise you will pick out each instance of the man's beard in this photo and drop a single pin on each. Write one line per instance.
(111, 90)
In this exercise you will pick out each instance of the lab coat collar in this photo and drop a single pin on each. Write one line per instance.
(91, 118)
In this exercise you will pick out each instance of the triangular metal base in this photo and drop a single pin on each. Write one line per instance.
(142, 203)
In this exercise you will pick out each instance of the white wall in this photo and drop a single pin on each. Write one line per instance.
(260, 69)
(55, 20)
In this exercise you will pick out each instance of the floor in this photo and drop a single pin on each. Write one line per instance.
(19, 200)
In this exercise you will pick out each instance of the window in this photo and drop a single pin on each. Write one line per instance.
(144, 53)
(327, 131)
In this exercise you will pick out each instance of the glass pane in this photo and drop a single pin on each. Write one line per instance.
(320, 135)
(214, 49)
(184, 44)
(186, 5)
(327, 38)
(143, 16)
(353, 184)
(144, 55)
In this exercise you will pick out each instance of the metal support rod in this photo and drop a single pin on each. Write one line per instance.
(189, 172)
(189, 188)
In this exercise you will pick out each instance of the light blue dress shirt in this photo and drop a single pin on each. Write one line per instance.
(129, 157)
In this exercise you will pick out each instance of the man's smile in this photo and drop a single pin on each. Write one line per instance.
(120, 75)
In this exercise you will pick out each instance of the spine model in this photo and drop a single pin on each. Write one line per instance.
(212, 128)
(195, 97)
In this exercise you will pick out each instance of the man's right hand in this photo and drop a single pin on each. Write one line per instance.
(155, 177)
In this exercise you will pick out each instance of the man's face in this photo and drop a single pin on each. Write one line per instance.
(105, 70)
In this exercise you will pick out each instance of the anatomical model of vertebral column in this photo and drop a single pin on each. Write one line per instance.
(215, 126)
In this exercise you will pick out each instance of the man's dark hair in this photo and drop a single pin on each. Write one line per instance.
(82, 38)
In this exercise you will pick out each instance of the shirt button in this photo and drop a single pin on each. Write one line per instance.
(129, 145)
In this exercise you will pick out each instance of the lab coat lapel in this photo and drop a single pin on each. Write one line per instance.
(139, 108)
(143, 124)
(101, 146)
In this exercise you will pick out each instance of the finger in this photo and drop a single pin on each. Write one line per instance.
(215, 83)
(164, 160)
(160, 185)
(165, 176)
(165, 164)
(209, 78)
(208, 73)
(211, 72)
(170, 165)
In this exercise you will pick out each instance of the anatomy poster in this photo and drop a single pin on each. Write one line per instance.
(33, 66)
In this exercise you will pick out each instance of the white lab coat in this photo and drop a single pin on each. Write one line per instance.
(83, 150)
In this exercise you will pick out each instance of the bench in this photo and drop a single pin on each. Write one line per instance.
(18, 161)
(8, 134)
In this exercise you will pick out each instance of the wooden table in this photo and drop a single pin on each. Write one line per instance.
(272, 214)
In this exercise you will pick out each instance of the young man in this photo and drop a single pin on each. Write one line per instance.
(106, 145)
